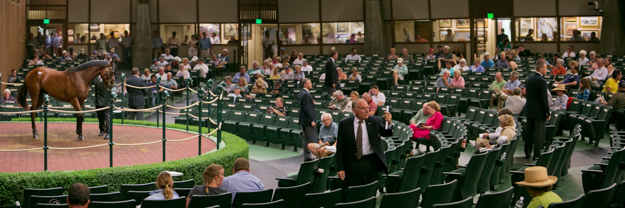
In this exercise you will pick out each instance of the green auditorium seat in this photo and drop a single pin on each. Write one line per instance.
(445, 153)
(365, 203)
(465, 203)
(499, 165)
(496, 199)
(407, 178)
(272, 133)
(407, 199)
(438, 194)
(483, 100)
(577, 202)
(600, 197)
(357, 193)
(306, 174)
(35, 199)
(125, 188)
(586, 108)
(484, 182)
(325, 199)
(230, 125)
(272, 204)
(252, 197)
(201, 201)
(179, 202)
(293, 196)
(321, 179)
(258, 129)
(137, 196)
(596, 125)
(602, 175)
(427, 170)
(39, 192)
(115, 196)
(295, 134)
(244, 129)
(184, 184)
(42, 205)
(468, 177)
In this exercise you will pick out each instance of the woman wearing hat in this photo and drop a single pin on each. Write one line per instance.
(562, 100)
(539, 184)
(259, 86)
(399, 71)
(506, 134)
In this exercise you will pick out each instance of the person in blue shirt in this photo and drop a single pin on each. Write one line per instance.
(327, 138)
(241, 180)
(165, 185)
(205, 44)
(476, 67)
(157, 44)
(487, 63)
(448, 67)
(240, 75)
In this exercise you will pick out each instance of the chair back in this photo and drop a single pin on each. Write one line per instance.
(600, 197)
(99, 189)
(115, 196)
(357, 193)
(365, 203)
(184, 184)
(42, 205)
(35, 199)
(465, 203)
(321, 179)
(427, 170)
(325, 199)
(252, 197)
(292, 196)
(438, 194)
(39, 192)
(117, 204)
(201, 201)
(474, 170)
(272, 204)
(496, 200)
(179, 202)
(408, 199)
(573, 203)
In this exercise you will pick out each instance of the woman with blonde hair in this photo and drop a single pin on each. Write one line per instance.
(355, 75)
(392, 55)
(515, 55)
(146, 74)
(213, 178)
(511, 64)
(165, 185)
(185, 63)
(506, 122)
(243, 86)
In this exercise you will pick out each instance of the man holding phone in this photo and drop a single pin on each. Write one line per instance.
(279, 109)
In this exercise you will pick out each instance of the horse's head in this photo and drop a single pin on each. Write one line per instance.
(108, 76)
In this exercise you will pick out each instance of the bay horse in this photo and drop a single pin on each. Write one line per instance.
(71, 85)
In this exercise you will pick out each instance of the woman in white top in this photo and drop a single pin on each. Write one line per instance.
(355, 75)
(193, 46)
(354, 96)
(462, 66)
(306, 68)
(146, 74)
(582, 58)
(185, 63)
(183, 72)
(269, 68)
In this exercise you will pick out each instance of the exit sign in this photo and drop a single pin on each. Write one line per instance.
(259, 21)
(491, 15)
(46, 21)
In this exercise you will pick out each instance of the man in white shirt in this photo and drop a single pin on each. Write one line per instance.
(215, 39)
(202, 67)
(161, 74)
(287, 40)
(569, 52)
(299, 60)
(407, 36)
(353, 56)
(167, 55)
(268, 42)
(377, 96)
(599, 75)
(306, 68)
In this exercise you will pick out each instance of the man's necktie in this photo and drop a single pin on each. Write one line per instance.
(359, 141)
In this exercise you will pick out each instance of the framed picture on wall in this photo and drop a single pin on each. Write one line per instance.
(586, 34)
(442, 34)
(357, 27)
(571, 19)
(526, 25)
(342, 28)
(463, 36)
(546, 26)
(463, 23)
(482, 23)
(589, 21)
(444, 23)
(569, 28)
(230, 30)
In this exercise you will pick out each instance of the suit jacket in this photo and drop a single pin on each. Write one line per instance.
(102, 95)
(332, 77)
(307, 113)
(536, 105)
(136, 97)
(346, 143)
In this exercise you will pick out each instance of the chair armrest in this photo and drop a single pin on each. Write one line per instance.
(285, 179)
(393, 176)
(462, 166)
(592, 171)
(452, 175)
(515, 172)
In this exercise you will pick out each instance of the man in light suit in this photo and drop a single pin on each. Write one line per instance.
(332, 77)
(307, 115)
(359, 154)
(536, 110)
(136, 97)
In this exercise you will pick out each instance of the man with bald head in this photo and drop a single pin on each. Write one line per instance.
(169, 82)
(372, 106)
(359, 154)
(422, 116)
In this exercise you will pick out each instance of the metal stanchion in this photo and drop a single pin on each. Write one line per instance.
(111, 106)
(164, 100)
(45, 131)
(188, 85)
(123, 87)
(200, 95)
(220, 90)
(158, 98)
(209, 86)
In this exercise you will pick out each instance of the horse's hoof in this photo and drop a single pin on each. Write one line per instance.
(35, 136)
(81, 138)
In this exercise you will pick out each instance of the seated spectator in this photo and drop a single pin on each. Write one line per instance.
(44, 55)
(328, 133)
(507, 90)
(577, 36)
(194, 61)
(7, 98)
(167, 54)
(279, 109)
(592, 60)
(487, 63)
(399, 71)
(458, 81)
(82, 54)
(582, 58)
(146, 74)
(269, 69)
(611, 86)
(277, 62)
(372, 106)
(176, 62)
(255, 68)
(229, 85)
(539, 184)
(618, 99)
(421, 131)
(503, 134)
(259, 86)
(161, 73)
(354, 97)
(213, 179)
(476, 67)
(214, 60)
(462, 65)
(297, 75)
(562, 100)
(35, 62)
(242, 84)
(241, 75)
(353, 56)
(299, 60)
(275, 75)
(165, 185)
(571, 79)
(559, 68)
(584, 90)
(155, 65)
(162, 61)
(430, 55)
(306, 68)
(224, 59)
(241, 180)
(339, 101)
(78, 196)
(378, 97)
(446, 55)
(443, 81)
(405, 56)
(342, 76)
(185, 63)
(65, 57)
(514, 55)
(287, 71)
(236, 93)
(448, 67)
(569, 52)
(203, 68)
(355, 75)
(458, 54)
(113, 55)
(169, 82)
(13, 78)
(599, 75)
(419, 39)
(497, 87)
(608, 65)
(511, 63)
(392, 55)
(502, 63)
(183, 72)
(422, 116)
(515, 102)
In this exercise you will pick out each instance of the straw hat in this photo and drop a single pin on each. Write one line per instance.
(560, 87)
(400, 60)
(537, 177)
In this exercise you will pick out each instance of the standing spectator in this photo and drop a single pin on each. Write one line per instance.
(562, 100)
(569, 52)
(359, 154)
(279, 109)
(476, 67)
(599, 75)
(306, 40)
(378, 97)
(352, 39)
(31, 45)
(78, 196)
(327, 138)
(113, 42)
(339, 101)
(113, 55)
(49, 46)
(101, 44)
(268, 42)
(7, 98)
(399, 71)
(332, 77)
(502, 36)
(353, 56)
(559, 69)
(536, 110)
(528, 37)
(127, 42)
(205, 44)
(577, 36)
(407, 36)
(307, 117)
(102, 98)
(136, 97)
(215, 39)
(241, 180)
(173, 43)
(41, 40)
(593, 37)
(13, 78)
(611, 86)
(450, 37)
(515, 102)
(58, 43)
(213, 179)
(499, 87)
(487, 63)
(504, 46)
(287, 40)
(165, 185)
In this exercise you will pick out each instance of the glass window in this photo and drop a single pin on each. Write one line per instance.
(106, 30)
(537, 29)
(581, 28)
(77, 33)
(450, 30)
(183, 32)
(230, 33)
(413, 31)
(287, 35)
(310, 33)
(343, 32)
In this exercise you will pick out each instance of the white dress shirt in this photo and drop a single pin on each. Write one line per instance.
(306, 69)
(366, 145)
(379, 98)
(600, 74)
(215, 40)
(202, 67)
(299, 61)
(351, 57)
(567, 54)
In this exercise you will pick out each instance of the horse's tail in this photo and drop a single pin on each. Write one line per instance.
(21, 96)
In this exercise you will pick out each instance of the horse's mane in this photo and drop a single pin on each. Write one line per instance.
(88, 65)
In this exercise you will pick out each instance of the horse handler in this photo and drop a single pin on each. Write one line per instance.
(102, 97)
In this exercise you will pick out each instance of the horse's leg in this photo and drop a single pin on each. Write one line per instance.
(79, 117)
(36, 99)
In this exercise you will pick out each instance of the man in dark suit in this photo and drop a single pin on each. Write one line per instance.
(536, 110)
(102, 99)
(136, 97)
(359, 154)
(332, 77)
(307, 116)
